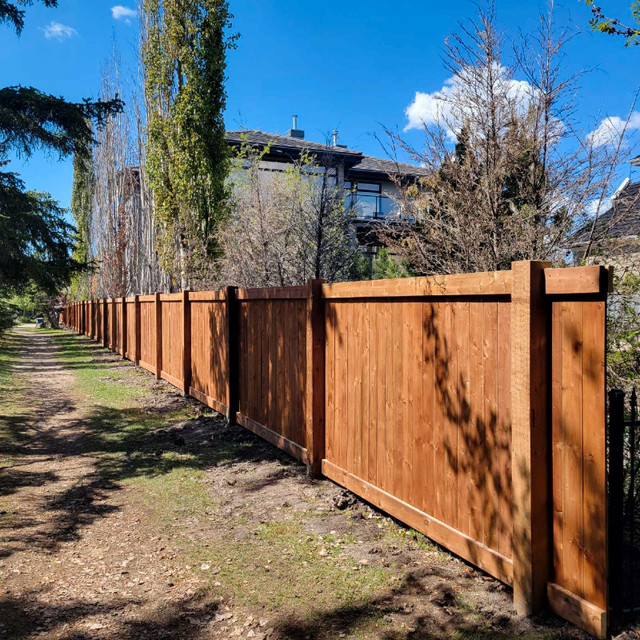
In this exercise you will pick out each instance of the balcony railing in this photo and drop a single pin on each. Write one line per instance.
(371, 207)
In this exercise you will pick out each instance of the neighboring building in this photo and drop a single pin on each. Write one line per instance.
(370, 183)
(616, 236)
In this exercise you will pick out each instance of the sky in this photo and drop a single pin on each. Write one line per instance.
(356, 66)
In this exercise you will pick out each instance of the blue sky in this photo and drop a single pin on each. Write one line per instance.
(352, 66)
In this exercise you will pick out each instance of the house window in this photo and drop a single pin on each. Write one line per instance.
(366, 200)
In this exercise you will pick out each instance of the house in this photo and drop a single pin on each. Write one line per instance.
(371, 184)
(615, 237)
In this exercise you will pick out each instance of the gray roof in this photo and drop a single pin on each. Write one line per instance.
(622, 220)
(260, 138)
(355, 160)
(389, 167)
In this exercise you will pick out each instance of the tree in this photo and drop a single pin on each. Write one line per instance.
(35, 240)
(510, 171)
(184, 53)
(615, 27)
(286, 227)
(81, 209)
(9, 12)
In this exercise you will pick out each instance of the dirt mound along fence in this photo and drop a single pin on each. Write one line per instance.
(469, 406)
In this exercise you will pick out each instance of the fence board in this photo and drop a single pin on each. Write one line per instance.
(273, 365)
(147, 334)
(209, 352)
(579, 589)
(172, 355)
(130, 329)
(429, 428)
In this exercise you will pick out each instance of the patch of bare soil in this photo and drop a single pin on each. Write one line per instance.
(85, 554)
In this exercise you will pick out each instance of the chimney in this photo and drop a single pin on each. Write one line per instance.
(294, 132)
(335, 140)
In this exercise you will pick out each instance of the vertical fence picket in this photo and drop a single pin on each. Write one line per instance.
(315, 387)
(233, 352)
(158, 336)
(616, 499)
(186, 342)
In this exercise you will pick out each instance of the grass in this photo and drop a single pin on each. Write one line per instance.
(10, 347)
(11, 391)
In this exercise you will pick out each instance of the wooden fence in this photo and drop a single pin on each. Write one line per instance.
(471, 407)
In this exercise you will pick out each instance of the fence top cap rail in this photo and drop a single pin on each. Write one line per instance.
(207, 296)
(273, 293)
(590, 280)
(170, 297)
(493, 283)
(149, 298)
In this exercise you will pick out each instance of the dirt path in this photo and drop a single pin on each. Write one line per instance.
(125, 512)
(73, 560)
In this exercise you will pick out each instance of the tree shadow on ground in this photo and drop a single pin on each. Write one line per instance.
(117, 444)
(35, 613)
(439, 612)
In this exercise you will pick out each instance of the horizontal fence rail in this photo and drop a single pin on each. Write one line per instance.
(470, 406)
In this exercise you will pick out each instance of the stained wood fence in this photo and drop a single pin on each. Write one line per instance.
(471, 407)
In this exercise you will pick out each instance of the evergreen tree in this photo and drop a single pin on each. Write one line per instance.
(35, 240)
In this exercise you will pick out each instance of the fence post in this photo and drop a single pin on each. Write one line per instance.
(124, 327)
(114, 314)
(158, 312)
(105, 311)
(615, 516)
(315, 378)
(186, 341)
(137, 346)
(233, 353)
(531, 437)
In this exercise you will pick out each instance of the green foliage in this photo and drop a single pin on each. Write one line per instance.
(35, 240)
(386, 266)
(184, 54)
(35, 302)
(615, 27)
(6, 317)
(9, 12)
(81, 208)
(623, 331)
(32, 120)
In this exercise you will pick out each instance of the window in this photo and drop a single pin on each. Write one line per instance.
(369, 187)
(367, 201)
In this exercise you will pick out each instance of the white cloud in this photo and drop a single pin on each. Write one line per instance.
(59, 31)
(610, 129)
(596, 207)
(449, 106)
(119, 12)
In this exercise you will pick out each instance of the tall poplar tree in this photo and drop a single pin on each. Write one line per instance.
(184, 49)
